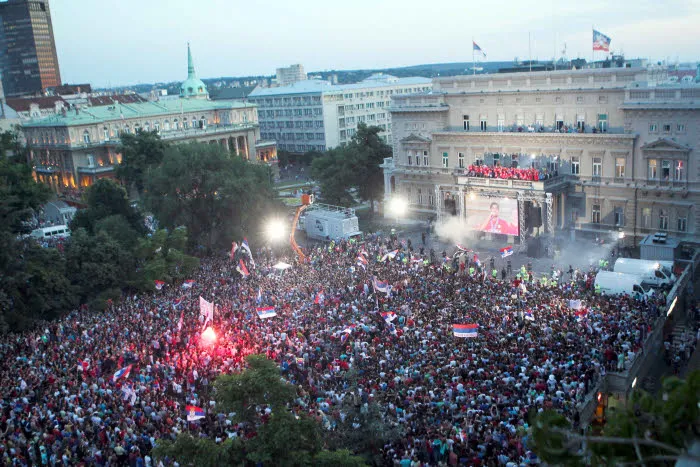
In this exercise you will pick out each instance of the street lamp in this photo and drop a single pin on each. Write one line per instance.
(398, 207)
(276, 230)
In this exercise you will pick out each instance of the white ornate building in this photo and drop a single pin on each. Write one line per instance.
(620, 147)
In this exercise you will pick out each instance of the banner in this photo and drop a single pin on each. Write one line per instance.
(465, 330)
(266, 312)
(206, 310)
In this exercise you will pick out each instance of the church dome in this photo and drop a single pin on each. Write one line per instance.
(192, 87)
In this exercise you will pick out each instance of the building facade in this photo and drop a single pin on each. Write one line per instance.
(615, 150)
(287, 76)
(78, 145)
(28, 62)
(315, 115)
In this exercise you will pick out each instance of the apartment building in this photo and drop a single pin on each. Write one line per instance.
(314, 115)
(290, 75)
(615, 150)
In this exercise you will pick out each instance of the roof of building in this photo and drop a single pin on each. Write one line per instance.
(121, 98)
(106, 113)
(231, 93)
(192, 86)
(71, 89)
(22, 104)
(311, 86)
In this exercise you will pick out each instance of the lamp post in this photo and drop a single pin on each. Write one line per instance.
(398, 207)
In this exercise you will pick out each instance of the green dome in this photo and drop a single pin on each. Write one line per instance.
(192, 87)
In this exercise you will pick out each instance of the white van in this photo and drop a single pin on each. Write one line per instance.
(56, 231)
(652, 273)
(615, 283)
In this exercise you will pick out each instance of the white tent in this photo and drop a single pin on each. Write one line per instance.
(282, 266)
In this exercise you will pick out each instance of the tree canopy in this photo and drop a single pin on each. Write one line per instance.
(141, 152)
(261, 398)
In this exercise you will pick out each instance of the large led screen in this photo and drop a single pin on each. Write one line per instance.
(493, 215)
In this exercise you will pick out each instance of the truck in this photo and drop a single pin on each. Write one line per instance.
(615, 283)
(327, 222)
(653, 273)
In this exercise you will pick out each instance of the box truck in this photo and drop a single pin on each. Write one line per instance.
(653, 273)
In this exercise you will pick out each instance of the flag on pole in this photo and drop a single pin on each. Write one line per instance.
(476, 260)
(601, 41)
(529, 316)
(476, 48)
(266, 312)
(361, 261)
(245, 246)
(381, 286)
(188, 284)
(389, 316)
(320, 298)
(506, 251)
(390, 255)
(463, 248)
(194, 413)
(206, 309)
(234, 248)
(258, 298)
(178, 302)
(179, 323)
(159, 284)
(465, 330)
(242, 269)
(123, 373)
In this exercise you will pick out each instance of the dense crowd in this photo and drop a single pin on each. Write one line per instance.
(507, 173)
(457, 401)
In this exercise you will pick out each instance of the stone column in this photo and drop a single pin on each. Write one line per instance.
(246, 142)
(235, 140)
(438, 203)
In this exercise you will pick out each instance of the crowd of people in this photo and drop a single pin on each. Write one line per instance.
(455, 400)
(507, 173)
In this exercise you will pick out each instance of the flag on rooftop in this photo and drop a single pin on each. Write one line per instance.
(266, 312)
(476, 48)
(465, 330)
(601, 41)
(506, 251)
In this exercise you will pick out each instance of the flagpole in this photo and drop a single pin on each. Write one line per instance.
(529, 50)
(592, 47)
(473, 59)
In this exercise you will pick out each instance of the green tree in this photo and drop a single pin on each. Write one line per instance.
(216, 195)
(283, 439)
(141, 152)
(371, 151)
(164, 258)
(335, 175)
(646, 430)
(105, 199)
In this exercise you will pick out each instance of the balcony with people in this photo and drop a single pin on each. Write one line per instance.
(513, 170)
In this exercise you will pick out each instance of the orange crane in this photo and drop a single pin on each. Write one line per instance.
(306, 201)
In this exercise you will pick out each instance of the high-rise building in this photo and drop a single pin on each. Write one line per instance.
(28, 59)
(290, 75)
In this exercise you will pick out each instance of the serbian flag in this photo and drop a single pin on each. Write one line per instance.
(506, 251)
(258, 298)
(123, 373)
(178, 302)
(364, 253)
(320, 298)
(601, 41)
(245, 246)
(266, 312)
(194, 413)
(159, 284)
(234, 248)
(463, 248)
(390, 255)
(476, 260)
(83, 365)
(575, 304)
(361, 261)
(389, 316)
(465, 330)
(529, 316)
(242, 269)
(179, 323)
(188, 284)
(381, 286)
(476, 48)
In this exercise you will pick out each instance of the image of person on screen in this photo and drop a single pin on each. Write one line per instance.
(494, 223)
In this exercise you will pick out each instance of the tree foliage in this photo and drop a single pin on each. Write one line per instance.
(647, 429)
(106, 199)
(164, 256)
(216, 195)
(283, 438)
(141, 152)
(353, 167)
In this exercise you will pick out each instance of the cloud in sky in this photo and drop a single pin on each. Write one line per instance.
(134, 41)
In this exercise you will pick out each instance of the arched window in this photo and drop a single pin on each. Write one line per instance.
(202, 122)
(86, 137)
(176, 124)
(105, 133)
(189, 90)
(127, 130)
(194, 122)
(147, 127)
(166, 125)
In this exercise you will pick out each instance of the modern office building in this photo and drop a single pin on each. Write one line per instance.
(78, 145)
(314, 115)
(595, 151)
(287, 76)
(28, 59)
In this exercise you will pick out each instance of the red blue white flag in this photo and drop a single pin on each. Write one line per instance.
(194, 413)
(601, 41)
(506, 251)
(465, 330)
(123, 373)
(266, 312)
(159, 284)
(188, 284)
(242, 269)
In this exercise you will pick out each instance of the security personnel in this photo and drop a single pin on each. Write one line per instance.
(543, 281)
(597, 289)
(494, 273)
(503, 274)
(553, 283)
(471, 270)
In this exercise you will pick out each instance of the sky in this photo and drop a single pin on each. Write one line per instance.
(111, 43)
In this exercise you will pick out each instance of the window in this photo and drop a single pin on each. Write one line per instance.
(559, 122)
(86, 137)
(646, 218)
(619, 217)
(680, 128)
(595, 214)
(420, 196)
(597, 166)
(166, 125)
(665, 170)
(652, 172)
(501, 123)
(620, 167)
(575, 165)
(602, 99)
(580, 122)
(426, 158)
(557, 100)
(445, 160)
(156, 127)
(678, 173)
(483, 124)
(465, 122)
(682, 224)
(652, 128)
(667, 128)
(417, 158)
(579, 99)
(431, 199)
(539, 120)
(663, 219)
(460, 158)
(603, 122)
